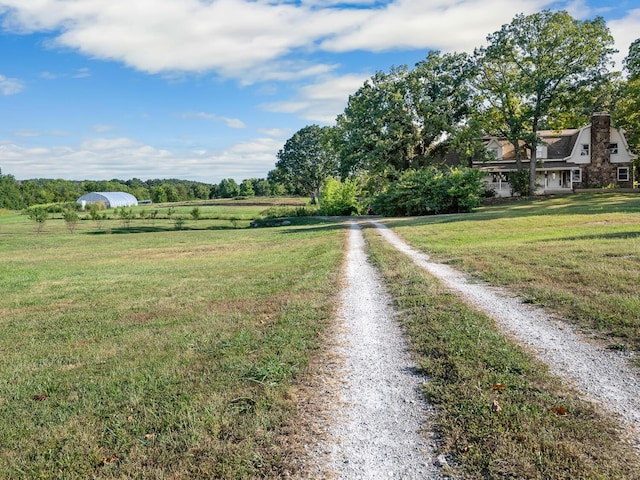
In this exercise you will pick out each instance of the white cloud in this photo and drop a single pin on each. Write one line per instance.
(102, 128)
(78, 73)
(274, 132)
(124, 158)
(230, 122)
(256, 40)
(321, 101)
(625, 30)
(26, 133)
(10, 86)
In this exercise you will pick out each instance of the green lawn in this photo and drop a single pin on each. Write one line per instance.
(156, 354)
(158, 350)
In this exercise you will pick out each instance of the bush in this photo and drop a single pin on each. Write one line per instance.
(520, 183)
(431, 191)
(339, 198)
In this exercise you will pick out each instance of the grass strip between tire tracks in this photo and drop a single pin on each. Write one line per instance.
(499, 412)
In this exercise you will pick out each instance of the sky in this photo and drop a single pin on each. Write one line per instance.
(210, 89)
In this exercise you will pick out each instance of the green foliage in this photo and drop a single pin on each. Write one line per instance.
(178, 223)
(308, 158)
(10, 196)
(339, 198)
(432, 191)
(538, 64)
(96, 216)
(71, 219)
(126, 215)
(520, 183)
(228, 188)
(632, 60)
(39, 215)
(195, 213)
(246, 188)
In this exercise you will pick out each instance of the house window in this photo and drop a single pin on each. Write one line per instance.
(494, 151)
(576, 175)
(540, 151)
(613, 148)
(623, 174)
(584, 151)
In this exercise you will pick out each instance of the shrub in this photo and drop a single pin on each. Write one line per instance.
(431, 191)
(339, 198)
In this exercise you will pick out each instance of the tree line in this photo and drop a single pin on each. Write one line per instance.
(541, 71)
(19, 194)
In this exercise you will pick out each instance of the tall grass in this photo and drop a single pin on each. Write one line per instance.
(156, 355)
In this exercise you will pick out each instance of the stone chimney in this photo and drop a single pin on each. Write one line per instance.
(600, 172)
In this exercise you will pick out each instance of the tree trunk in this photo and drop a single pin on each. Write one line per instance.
(532, 171)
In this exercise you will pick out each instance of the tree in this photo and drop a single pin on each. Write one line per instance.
(376, 133)
(228, 188)
(70, 219)
(439, 97)
(339, 198)
(246, 189)
(632, 60)
(548, 57)
(626, 113)
(405, 119)
(309, 157)
(10, 196)
(39, 215)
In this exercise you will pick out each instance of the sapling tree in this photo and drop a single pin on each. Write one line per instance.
(38, 215)
(70, 219)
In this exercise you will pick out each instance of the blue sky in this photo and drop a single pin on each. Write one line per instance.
(211, 89)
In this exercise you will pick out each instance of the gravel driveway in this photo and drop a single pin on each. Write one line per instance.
(380, 427)
(604, 375)
(377, 433)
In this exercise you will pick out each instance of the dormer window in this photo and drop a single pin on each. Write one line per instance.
(584, 150)
(541, 151)
(613, 148)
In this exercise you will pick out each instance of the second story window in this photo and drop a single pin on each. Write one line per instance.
(613, 148)
(584, 150)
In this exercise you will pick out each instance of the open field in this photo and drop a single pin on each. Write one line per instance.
(152, 351)
(578, 255)
(168, 354)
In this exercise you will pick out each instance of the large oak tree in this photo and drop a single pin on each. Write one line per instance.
(547, 58)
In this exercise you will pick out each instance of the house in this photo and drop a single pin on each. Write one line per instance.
(594, 156)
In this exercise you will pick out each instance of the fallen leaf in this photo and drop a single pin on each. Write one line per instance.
(150, 436)
(559, 410)
(111, 459)
(498, 387)
(495, 406)
(41, 397)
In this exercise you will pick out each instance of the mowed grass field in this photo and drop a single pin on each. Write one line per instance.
(156, 352)
(152, 351)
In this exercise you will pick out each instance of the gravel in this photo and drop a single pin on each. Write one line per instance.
(378, 427)
(377, 433)
(603, 375)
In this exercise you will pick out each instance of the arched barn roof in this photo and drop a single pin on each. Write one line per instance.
(110, 199)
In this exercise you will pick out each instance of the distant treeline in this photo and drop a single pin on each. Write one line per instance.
(19, 194)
